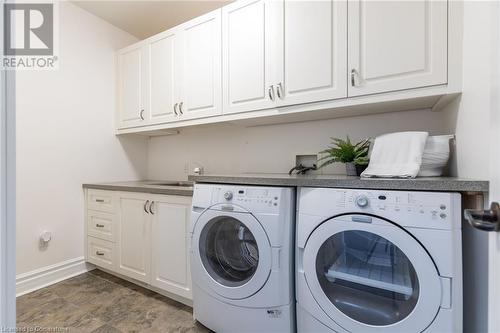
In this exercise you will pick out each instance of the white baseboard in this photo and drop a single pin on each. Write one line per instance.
(45, 276)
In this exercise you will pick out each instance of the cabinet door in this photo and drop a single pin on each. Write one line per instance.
(170, 240)
(396, 45)
(315, 52)
(251, 35)
(134, 237)
(164, 76)
(201, 93)
(132, 84)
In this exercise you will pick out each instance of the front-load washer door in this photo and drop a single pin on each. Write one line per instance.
(231, 254)
(368, 274)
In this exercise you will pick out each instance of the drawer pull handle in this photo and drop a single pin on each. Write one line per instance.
(99, 200)
(99, 253)
(99, 225)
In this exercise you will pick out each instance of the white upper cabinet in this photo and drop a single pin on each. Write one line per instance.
(201, 81)
(170, 244)
(132, 85)
(396, 45)
(315, 52)
(250, 32)
(291, 57)
(280, 53)
(163, 77)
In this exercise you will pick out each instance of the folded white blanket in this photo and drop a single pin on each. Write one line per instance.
(397, 155)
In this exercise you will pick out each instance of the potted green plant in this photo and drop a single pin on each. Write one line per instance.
(355, 156)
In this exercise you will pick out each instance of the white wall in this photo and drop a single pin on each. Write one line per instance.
(272, 149)
(65, 138)
(470, 115)
(494, 237)
(7, 192)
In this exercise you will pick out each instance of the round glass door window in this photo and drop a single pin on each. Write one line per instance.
(367, 277)
(229, 251)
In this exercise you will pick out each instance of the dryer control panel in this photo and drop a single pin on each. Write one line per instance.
(420, 209)
(435, 207)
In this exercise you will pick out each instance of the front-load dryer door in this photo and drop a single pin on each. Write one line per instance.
(231, 254)
(369, 275)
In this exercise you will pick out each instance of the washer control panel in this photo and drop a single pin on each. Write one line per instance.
(250, 198)
(257, 196)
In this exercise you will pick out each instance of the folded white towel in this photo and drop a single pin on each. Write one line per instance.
(397, 155)
(435, 156)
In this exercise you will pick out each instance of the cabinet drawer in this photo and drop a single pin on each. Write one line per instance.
(103, 201)
(101, 225)
(101, 253)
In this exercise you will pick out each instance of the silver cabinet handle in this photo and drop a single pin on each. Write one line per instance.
(279, 90)
(142, 114)
(151, 208)
(99, 225)
(180, 107)
(99, 253)
(353, 73)
(99, 200)
(271, 92)
(145, 206)
(175, 109)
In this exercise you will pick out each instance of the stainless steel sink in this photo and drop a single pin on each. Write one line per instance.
(174, 183)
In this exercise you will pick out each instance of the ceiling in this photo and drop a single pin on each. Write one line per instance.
(146, 18)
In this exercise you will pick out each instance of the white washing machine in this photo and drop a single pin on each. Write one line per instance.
(378, 261)
(242, 258)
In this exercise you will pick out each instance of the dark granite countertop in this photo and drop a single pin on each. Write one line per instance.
(436, 184)
(145, 186)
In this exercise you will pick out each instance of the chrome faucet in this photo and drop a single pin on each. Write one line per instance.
(199, 169)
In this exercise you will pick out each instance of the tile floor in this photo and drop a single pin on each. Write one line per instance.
(101, 303)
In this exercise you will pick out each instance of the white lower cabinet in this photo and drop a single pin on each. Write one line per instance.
(170, 245)
(146, 239)
(134, 237)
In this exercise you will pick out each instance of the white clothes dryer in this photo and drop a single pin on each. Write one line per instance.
(378, 261)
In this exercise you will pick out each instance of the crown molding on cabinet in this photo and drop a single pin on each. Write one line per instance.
(435, 98)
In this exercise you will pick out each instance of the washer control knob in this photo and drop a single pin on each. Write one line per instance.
(362, 201)
(228, 195)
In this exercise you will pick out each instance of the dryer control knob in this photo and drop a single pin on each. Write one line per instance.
(228, 195)
(362, 201)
